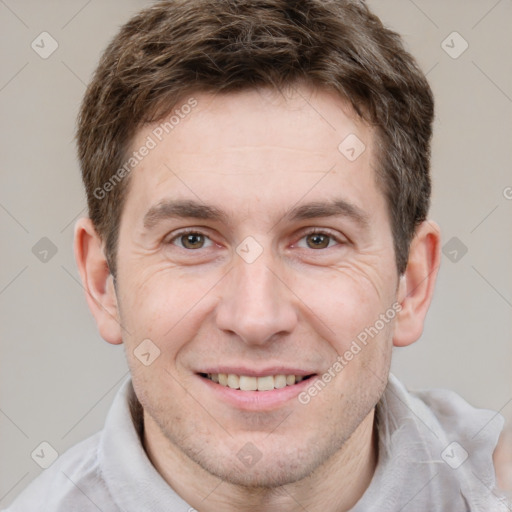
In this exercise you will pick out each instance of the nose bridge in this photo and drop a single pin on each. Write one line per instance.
(256, 282)
(256, 304)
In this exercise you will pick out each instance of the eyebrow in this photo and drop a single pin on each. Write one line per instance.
(169, 209)
(330, 208)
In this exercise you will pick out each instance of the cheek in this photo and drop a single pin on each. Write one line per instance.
(341, 304)
(164, 305)
(346, 311)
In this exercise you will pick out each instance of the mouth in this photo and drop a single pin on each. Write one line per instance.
(255, 383)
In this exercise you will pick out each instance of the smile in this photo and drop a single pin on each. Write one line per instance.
(252, 383)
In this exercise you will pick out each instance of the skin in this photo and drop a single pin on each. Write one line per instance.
(503, 461)
(256, 155)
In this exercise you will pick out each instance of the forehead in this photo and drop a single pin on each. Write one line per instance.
(303, 119)
(271, 148)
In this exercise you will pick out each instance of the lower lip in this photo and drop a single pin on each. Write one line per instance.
(257, 400)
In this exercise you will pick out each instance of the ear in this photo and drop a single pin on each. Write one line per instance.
(97, 281)
(416, 286)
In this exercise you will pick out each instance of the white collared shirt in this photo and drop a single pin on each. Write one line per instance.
(435, 454)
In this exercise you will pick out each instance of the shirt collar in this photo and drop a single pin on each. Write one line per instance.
(415, 433)
(424, 439)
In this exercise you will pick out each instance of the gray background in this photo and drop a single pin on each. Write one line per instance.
(58, 377)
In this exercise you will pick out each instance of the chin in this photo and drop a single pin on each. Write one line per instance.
(275, 468)
(263, 475)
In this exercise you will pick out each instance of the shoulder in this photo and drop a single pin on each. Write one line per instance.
(458, 418)
(459, 441)
(447, 411)
(73, 482)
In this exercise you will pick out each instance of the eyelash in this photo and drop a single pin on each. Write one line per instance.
(314, 231)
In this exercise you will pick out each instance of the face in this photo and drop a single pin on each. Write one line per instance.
(251, 246)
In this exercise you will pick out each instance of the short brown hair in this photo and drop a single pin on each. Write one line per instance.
(176, 47)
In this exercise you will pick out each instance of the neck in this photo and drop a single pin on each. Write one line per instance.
(335, 486)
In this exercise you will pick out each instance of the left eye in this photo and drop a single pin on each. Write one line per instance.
(317, 240)
(191, 240)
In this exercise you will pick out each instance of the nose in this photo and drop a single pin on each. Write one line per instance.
(256, 305)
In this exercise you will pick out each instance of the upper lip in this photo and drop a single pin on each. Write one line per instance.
(252, 372)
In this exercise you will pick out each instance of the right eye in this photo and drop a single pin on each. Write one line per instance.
(191, 240)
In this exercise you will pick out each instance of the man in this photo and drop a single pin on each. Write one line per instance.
(257, 175)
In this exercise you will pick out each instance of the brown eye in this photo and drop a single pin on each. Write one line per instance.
(192, 240)
(318, 240)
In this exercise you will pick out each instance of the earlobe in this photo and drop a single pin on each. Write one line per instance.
(417, 284)
(97, 281)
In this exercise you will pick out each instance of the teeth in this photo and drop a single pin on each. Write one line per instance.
(280, 381)
(247, 383)
(266, 383)
(233, 381)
